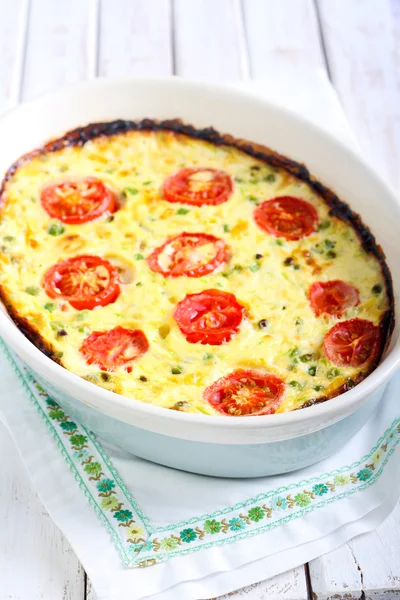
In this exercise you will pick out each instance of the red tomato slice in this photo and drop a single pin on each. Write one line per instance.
(189, 254)
(333, 297)
(352, 343)
(75, 202)
(287, 217)
(210, 317)
(83, 281)
(118, 347)
(246, 393)
(198, 186)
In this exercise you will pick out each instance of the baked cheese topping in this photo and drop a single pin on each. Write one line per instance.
(272, 320)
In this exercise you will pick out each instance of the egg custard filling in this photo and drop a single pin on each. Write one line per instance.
(190, 270)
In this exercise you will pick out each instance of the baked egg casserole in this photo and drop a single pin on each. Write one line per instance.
(190, 270)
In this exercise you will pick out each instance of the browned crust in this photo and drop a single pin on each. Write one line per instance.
(28, 329)
(338, 208)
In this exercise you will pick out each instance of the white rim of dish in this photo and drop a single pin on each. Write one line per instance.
(340, 405)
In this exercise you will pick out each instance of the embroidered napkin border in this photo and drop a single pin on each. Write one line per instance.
(139, 543)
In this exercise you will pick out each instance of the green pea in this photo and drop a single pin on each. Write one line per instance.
(182, 211)
(176, 370)
(50, 306)
(208, 356)
(32, 290)
(334, 372)
(324, 225)
(226, 228)
(56, 228)
(139, 257)
(295, 384)
(270, 178)
(318, 388)
(312, 370)
(131, 190)
(306, 357)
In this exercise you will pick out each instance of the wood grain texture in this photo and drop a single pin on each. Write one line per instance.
(135, 38)
(377, 556)
(57, 50)
(361, 50)
(336, 574)
(286, 586)
(36, 561)
(281, 34)
(208, 40)
(13, 23)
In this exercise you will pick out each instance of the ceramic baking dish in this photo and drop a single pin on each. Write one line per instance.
(227, 447)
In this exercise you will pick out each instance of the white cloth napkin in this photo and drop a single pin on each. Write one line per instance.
(206, 536)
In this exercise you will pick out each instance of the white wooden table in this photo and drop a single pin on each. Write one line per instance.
(46, 43)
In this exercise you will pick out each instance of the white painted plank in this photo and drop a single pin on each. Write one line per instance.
(90, 593)
(13, 23)
(368, 564)
(36, 561)
(135, 38)
(287, 586)
(336, 574)
(281, 34)
(377, 555)
(208, 40)
(361, 50)
(58, 45)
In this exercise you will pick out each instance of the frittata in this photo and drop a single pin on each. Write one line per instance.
(190, 270)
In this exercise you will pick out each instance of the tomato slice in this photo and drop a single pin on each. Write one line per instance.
(210, 317)
(118, 347)
(189, 254)
(83, 281)
(80, 201)
(246, 393)
(352, 343)
(287, 217)
(198, 186)
(333, 297)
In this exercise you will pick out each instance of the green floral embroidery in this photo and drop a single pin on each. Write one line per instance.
(320, 489)
(111, 503)
(123, 515)
(212, 526)
(188, 535)
(105, 485)
(93, 468)
(236, 524)
(279, 503)
(364, 474)
(68, 426)
(57, 414)
(135, 534)
(78, 441)
(302, 500)
(168, 544)
(341, 480)
(256, 514)
(377, 457)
